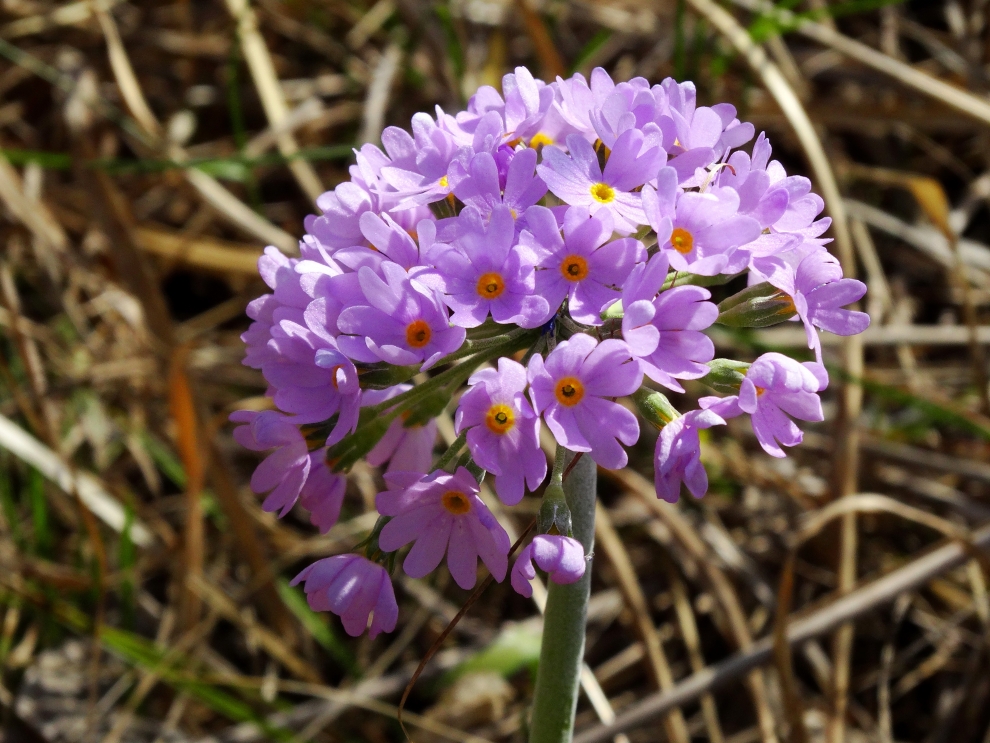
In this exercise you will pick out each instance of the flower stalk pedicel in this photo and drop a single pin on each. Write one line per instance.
(555, 249)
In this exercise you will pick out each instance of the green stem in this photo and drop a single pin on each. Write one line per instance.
(562, 649)
(454, 376)
(448, 456)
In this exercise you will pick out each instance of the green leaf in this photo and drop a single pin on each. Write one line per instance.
(516, 647)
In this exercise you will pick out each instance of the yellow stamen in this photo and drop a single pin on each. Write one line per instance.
(539, 140)
(443, 182)
(603, 193)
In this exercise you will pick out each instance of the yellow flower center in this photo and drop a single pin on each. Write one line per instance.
(574, 268)
(490, 285)
(682, 240)
(539, 140)
(603, 193)
(456, 502)
(569, 391)
(500, 419)
(443, 182)
(418, 333)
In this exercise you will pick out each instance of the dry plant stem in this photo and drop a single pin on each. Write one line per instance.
(914, 78)
(846, 459)
(562, 648)
(259, 62)
(720, 584)
(826, 618)
(659, 668)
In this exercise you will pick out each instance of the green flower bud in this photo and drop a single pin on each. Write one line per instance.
(654, 407)
(726, 375)
(757, 306)
(555, 516)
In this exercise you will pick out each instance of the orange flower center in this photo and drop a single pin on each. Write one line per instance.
(418, 333)
(456, 502)
(500, 419)
(490, 285)
(603, 193)
(760, 391)
(574, 268)
(569, 391)
(682, 240)
(539, 140)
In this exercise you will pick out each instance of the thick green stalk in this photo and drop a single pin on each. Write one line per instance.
(562, 651)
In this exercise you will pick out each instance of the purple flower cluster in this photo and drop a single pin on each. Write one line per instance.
(549, 247)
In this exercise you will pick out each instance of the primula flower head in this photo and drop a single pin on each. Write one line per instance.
(548, 247)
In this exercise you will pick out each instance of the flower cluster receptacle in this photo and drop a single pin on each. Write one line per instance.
(529, 261)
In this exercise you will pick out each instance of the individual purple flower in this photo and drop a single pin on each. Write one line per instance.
(707, 228)
(677, 457)
(405, 448)
(576, 99)
(503, 432)
(419, 174)
(774, 387)
(561, 557)
(581, 266)
(572, 390)
(323, 493)
(489, 273)
(388, 241)
(578, 180)
(442, 513)
(664, 332)
(402, 322)
(312, 379)
(287, 302)
(282, 473)
(527, 101)
(353, 588)
(818, 293)
(484, 188)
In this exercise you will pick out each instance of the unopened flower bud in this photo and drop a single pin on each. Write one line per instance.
(758, 306)
(655, 407)
(555, 516)
(726, 375)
